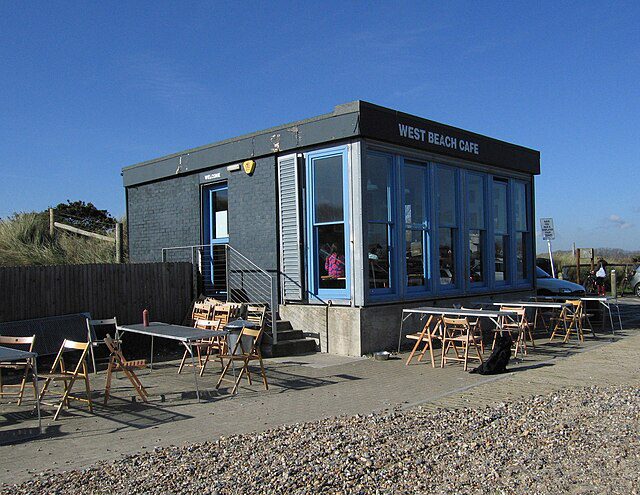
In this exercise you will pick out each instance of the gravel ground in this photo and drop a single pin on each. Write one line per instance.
(573, 441)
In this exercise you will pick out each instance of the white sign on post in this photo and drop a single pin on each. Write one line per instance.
(548, 232)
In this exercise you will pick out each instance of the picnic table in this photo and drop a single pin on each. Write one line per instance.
(7, 354)
(187, 336)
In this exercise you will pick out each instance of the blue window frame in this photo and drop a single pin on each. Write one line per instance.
(502, 262)
(380, 225)
(216, 235)
(476, 226)
(416, 232)
(522, 230)
(328, 253)
(447, 187)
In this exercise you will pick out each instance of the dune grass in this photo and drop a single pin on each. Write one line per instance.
(25, 240)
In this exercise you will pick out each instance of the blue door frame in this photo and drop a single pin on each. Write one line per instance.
(215, 279)
(313, 249)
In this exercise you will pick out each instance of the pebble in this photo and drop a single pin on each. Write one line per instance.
(576, 440)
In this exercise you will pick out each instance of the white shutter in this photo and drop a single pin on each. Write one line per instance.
(289, 210)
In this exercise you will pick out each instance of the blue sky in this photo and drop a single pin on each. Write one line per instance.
(90, 87)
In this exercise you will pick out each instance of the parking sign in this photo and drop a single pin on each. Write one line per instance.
(548, 232)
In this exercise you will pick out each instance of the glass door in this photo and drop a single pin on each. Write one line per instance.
(327, 233)
(216, 237)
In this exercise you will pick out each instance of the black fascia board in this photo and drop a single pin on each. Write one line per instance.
(391, 126)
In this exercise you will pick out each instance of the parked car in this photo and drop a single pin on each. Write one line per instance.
(634, 282)
(549, 286)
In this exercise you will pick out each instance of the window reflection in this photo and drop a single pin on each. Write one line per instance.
(331, 256)
(447, 256)
(327, 182)
(476, 255)
(521, 255)
(415, 258)
(501, 243)
(378, 254)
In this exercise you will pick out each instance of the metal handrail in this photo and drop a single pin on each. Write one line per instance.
(252, 280)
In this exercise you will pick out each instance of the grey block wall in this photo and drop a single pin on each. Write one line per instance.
(168, 213)
(163, 214)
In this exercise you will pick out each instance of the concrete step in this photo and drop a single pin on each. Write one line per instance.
(283, 336)
(283, 325)
(293, 347)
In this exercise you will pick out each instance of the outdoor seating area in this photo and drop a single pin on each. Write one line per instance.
(461, 333)
(226, 333)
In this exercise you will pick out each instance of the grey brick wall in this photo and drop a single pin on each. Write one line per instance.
(163, 214)
(168, 213)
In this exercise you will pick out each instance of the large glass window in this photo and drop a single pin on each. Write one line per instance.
(447, 200)
(416, 226)
(522, 229)
(475, 199)
(379, 178)
(328, 253)
(500, 230)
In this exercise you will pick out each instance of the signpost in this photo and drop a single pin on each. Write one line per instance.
(548, 234)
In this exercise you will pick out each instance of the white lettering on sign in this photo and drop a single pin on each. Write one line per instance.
(212, 176)
(438, 139)
(548, 232)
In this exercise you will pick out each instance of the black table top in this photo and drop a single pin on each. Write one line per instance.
(9, 354)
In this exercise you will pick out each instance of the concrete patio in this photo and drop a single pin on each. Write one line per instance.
(301, 389)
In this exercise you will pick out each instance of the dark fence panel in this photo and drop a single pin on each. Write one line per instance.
(104, 290)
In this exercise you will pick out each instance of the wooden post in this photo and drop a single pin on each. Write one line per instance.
(578, 266)
(119, 250)
(614, 285)
(51, 223)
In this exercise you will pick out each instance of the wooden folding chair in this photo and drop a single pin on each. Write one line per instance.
(571, 320)
(25, 366)
(428, 336)
(256, 314)
(459, 335)
(202, 310)
(117, 362)
(239, 353)
(520, 326)
(60, 372)
(204, 348)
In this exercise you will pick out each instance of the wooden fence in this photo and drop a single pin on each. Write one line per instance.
(104, 290)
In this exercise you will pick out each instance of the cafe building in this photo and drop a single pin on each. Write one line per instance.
(357, 214)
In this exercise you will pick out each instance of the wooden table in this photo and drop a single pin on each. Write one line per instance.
(185, 335)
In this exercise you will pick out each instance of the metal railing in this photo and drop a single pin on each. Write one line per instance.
(227, 274)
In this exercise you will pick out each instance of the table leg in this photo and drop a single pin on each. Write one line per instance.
(34, 374)
(151, 357)
(401, 328)
(619, 317)
(193, 365)
(611, 319)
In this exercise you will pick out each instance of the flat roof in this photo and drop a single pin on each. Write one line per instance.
(347, 121)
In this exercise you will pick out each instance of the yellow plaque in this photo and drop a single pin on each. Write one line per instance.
(249, 166)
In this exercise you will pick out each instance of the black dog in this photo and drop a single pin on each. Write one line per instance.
(499, 359)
